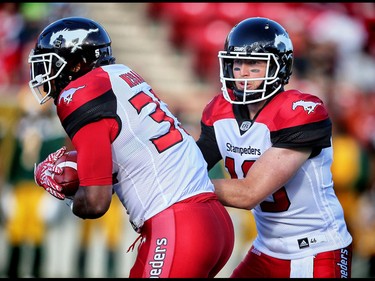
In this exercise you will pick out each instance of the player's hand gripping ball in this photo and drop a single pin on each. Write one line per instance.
(69, 178)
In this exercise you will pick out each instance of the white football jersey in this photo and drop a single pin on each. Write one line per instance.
(156, 161)
(304, 216)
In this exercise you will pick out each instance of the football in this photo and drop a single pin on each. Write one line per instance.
(69, 178)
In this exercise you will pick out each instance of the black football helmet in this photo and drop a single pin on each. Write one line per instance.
(256, 39)
(60, 47)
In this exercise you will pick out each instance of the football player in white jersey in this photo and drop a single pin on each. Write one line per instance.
(276, 146)
(120, 127)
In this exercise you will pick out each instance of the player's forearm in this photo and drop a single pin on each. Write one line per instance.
(235, 193)
(92, 202)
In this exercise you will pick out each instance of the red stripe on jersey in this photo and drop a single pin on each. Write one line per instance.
(292, 108)
(218, 108)
(82, 90)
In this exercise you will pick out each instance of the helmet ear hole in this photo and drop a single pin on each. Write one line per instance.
(228, 72)
(288, 67)
(226, 69)
(59, 63)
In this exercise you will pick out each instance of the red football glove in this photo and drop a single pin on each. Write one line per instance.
(43, 174)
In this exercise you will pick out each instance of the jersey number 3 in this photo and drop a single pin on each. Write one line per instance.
(169, 139)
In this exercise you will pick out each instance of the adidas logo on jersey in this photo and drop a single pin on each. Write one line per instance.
(303, 243)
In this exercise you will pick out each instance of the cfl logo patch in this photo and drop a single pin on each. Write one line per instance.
(245, 126)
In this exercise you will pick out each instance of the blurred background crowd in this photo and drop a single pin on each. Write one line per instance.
(174, 46)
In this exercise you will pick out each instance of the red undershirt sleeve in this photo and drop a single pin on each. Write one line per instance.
(93, 144)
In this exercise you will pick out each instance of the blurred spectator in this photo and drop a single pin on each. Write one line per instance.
(26, 133)
(19, 25)
(34, 15)
(364, 229)
(351, 173)
(110, 227)
(11, 26)
(27, 209)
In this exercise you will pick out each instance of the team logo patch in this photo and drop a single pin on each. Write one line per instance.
(308, 106)
(67, 96)
(303, 243)
(71, 38)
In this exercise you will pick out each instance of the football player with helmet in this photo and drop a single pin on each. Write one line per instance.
(276, 146)
(120, 127)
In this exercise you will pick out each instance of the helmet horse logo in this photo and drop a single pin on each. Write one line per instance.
(72, 38)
